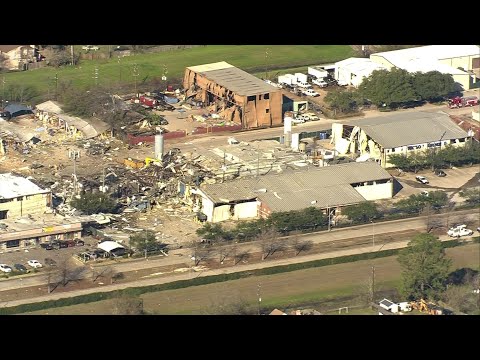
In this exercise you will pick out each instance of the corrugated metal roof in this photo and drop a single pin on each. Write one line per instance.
(434, 52)
(410, 128)
(12, 186)
(319, 187)
(234, 79)
(210, 67)
(14, 108)
(50, 106)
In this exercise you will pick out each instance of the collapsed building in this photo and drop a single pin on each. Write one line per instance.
(328, 188)
(237, 95)
(406, 133)
(19, 196)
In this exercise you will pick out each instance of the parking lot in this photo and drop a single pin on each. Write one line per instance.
(456, 179)
(22, 256)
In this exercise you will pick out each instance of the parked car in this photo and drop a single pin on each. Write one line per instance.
(79, 242)
(440, 173)
(478, 229)
(320, 82)
(311, 117)
(20, 267)
(70, 243)
(459, 231)
(34, 264)
(50, 262)
(421, 179)
(46, 246)
(425, 193)
(62, 244)
(310, 92)
(5, 268)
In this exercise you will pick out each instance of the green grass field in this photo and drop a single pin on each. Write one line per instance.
(116, 71)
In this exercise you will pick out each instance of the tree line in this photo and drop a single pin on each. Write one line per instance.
(393, 89)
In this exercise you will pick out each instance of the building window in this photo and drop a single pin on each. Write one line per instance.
(461, 140)
(266, 96)
(20, 198)
(267, 111)
(251, 98)
(13, 243)
(259, 97)
(392, 150)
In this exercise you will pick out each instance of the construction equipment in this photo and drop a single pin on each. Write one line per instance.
(148, 161)
(428, 308)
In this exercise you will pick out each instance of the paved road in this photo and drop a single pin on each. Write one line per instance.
(190, 144)
(375, 230)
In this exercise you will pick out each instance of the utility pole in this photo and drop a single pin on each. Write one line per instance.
(328, 214)
(435, 150)
(120, 69)
(373, 236)
(3, 92)
(266, 63)
(56, 85)
(164, 76)
(95, 75)
(259, 297)
(71, 53)
(135, 75)
(258, 159)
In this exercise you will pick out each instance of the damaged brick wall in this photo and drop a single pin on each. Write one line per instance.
(261, 110)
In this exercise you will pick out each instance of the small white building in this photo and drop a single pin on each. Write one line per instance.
(389, 305)
(352, 71)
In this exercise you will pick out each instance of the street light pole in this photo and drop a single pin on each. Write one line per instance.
(259, 298)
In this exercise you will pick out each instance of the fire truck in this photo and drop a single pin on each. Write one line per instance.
(458, 102)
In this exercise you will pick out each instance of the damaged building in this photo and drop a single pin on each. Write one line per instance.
(237, 95)
(19, 196)
(329, 187)
(406, 133)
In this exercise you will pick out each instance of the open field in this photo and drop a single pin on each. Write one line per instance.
(116, 71)
(319, 287)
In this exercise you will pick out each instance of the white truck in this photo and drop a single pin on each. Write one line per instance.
(287, 79)
(301, 77)
(319, 82)
(317, 72)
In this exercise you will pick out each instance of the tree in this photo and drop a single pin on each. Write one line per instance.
(91, 203)
(433, 85)
(300, 245)
(67, 271)
(362, 213)
(270, 242)
(211, 231)
(388, 87)
(472, 196)
(144, 241)
(437, 199)
(240, 254)
(424, 267)
(344, 100)
(127, 305)
(414, 204)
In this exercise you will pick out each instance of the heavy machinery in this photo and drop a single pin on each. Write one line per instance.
(428, 308)
(148, 161)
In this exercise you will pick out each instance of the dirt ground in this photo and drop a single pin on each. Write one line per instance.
(317, 285)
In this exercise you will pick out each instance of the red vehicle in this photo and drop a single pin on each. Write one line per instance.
(148, 101)
(458, 102)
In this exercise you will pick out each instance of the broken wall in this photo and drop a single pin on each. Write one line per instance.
(246, 210)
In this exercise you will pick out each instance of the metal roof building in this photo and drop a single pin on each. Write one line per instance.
(240, 96)
(397, 130)
(330, 186)
(12, 186)
(460, 61)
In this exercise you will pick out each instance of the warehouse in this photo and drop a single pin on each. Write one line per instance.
(378, 138)
(352, 71)
(329, 187)
(19, 196)
(235, 94)
(460, 61)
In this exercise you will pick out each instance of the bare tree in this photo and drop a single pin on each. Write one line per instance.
(300, 245)
(240, 254)
(127, 305)
(107, 272)
(201, 253)
(67, 271)
(270, 242)
(51, 276)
